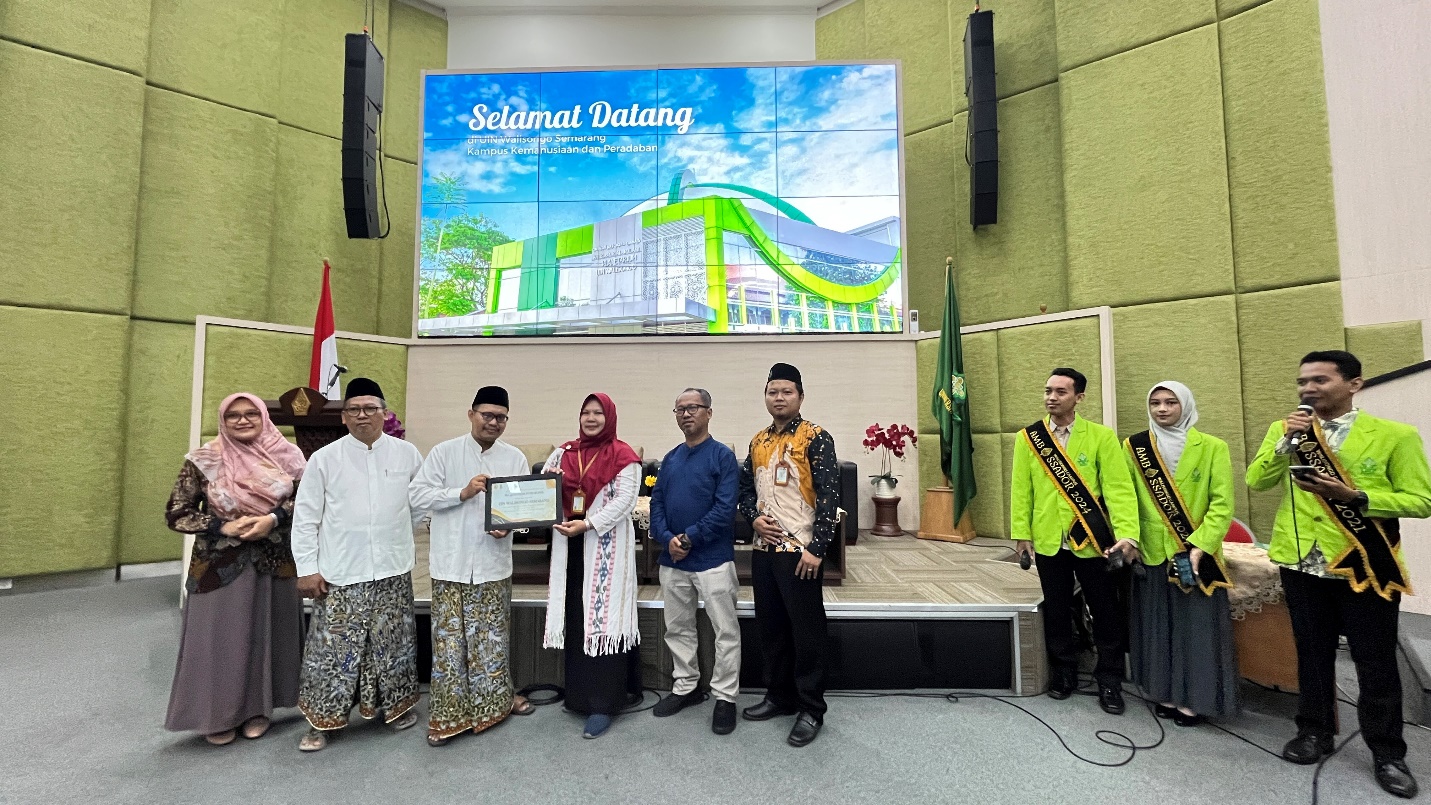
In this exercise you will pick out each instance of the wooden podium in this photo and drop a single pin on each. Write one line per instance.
(315, 419)
(936, 517)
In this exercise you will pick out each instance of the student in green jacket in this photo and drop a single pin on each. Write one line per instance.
(1180, 637)
(1074, 527)
(1337, 540)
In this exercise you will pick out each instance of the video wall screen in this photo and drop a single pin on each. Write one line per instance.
(752, 199)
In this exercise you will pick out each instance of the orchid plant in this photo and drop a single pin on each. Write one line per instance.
(392, 426)
(892, 442)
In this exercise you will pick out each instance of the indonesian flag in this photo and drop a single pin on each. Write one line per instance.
(322, 372)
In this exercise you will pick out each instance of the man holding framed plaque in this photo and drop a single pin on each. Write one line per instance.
(471, 567)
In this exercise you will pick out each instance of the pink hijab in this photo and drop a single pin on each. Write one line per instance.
(248, 477)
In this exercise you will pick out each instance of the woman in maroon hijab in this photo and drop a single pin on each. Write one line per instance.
(591, 597)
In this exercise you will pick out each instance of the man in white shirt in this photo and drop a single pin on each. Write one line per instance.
(471, 574)
(352, 543)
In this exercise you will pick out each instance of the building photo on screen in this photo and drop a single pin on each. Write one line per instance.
(752, 199)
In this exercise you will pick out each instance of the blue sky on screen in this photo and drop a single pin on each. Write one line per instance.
(823, 134)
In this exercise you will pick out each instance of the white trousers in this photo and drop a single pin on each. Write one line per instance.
(717, 587)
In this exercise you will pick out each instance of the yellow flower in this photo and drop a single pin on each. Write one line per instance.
(650, 481)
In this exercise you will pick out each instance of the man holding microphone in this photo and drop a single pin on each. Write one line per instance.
(1349, 476)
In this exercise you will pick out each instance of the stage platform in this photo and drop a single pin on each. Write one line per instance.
(910, 613)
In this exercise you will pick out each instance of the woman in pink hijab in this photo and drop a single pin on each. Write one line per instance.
(241, 646)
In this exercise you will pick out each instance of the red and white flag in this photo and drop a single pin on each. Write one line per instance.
(323, 371)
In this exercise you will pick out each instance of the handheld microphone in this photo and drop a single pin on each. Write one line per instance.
(1306, 408)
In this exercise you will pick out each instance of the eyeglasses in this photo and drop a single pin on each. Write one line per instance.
(236, 416)
(362, 411)
(688, 409)
(500, 419)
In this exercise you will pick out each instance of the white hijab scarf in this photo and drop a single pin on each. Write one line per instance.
(1171, 441)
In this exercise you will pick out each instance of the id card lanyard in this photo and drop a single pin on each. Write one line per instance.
(782, 469)
(578, 499)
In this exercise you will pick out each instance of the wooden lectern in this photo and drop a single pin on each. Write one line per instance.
(936, 518)
(316, 420)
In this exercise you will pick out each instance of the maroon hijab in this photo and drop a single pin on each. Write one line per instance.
(602, 456)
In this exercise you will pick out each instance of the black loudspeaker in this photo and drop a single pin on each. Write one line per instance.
(362, 105)
(981, 149)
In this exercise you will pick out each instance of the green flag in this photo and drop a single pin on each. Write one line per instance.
(951, 406)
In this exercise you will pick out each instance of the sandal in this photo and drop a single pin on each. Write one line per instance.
(405, 720)
(256, 727)
(221, 738)
(522, 707)
(312, 741)
(433, 740)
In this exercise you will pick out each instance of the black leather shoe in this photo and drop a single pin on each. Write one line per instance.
(1165, 712)
(676, 702)
(765, 711)
(1062, 686)
(1184, 720)
(805, 730)
(723, 720)
(1395, 778)
(1307, 748)
(1110, 698)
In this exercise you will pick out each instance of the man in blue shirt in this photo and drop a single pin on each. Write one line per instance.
(693, 518)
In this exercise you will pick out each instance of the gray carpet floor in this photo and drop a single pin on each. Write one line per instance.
(85, 679)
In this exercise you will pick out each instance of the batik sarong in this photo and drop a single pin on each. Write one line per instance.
(362, 645)
(471, 672)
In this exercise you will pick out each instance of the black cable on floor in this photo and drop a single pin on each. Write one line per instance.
(557, 691)
(1103, 736)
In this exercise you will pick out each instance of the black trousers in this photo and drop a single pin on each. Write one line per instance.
(1322, 609)
(793, 639)
(1056, 575)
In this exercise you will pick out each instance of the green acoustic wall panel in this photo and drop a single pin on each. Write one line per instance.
(309, 227)
(929, 207)
(112, 32)
(1275, 329)
(926, 361)
(1028, 354)
(396, 252)
(1151, 345)
(385, 363)
(1025, 45)
(1089, 30)
(917, 33)
(228, 366)
(161, 368)
(981, 373)
(1007, 270)
(1227, 8)
(989, 509)
(206, 210)
(418, 41)
(841, 33)
(1284, 228)
(310, 88)
(64, 439)
(1145, 175)
(69, 155)
(222, 50)
(1007, 442)
(1385, 348)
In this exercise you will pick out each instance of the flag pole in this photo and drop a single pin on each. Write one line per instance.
(949, 404)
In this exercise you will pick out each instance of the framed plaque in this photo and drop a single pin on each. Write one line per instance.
(524, 501)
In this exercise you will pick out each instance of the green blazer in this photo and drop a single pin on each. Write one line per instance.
(1204, 481)
(1038, 509)
(1384, 458)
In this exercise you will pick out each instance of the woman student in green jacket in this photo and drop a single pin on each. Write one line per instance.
(1180, 634)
